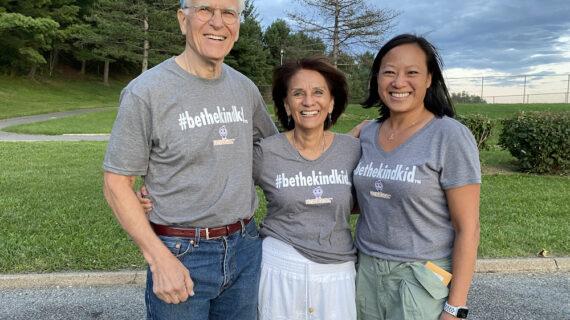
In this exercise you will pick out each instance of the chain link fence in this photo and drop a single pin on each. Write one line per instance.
(515, 89)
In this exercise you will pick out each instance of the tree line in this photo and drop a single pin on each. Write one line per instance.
(130, 36)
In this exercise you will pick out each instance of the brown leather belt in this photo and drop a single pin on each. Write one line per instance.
(205, 233)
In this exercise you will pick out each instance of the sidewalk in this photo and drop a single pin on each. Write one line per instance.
(10, 136)
(138, 278)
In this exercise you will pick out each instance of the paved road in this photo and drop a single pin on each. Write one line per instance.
(9, 136)
(492, 296)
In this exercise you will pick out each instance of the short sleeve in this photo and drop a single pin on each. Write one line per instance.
(130, 142)
(460, 163)
(263, 125)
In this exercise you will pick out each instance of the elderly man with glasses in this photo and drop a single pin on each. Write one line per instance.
(187, 127)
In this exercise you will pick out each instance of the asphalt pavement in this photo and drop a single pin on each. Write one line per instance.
(9, 136)
(534, 296)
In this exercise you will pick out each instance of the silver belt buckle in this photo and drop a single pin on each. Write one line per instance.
(208, 235)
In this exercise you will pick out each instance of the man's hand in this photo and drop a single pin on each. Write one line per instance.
(146, 203)
(171, 280)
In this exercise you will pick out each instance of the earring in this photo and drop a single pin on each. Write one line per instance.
(329, 120)
(288, 121)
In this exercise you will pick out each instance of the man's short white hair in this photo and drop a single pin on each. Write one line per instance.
(188, 3)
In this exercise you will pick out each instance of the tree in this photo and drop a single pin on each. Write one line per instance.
(344, 23)
(275, 40)
(465, 97)
(28, 31)
(24, 38)
(161, 31)
(357, 70)
(283, 45)
(113, 34)
(68, 27)
(66, 14)
(300, 45)
(140, 31)
(249, 55)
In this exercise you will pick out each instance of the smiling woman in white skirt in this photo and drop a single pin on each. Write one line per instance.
(308, 258)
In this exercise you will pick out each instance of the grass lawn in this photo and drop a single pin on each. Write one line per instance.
(23, 97)
(502, 111)
(102, 122)
(53, 217)
(521, 214)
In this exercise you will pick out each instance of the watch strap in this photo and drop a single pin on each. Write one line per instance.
(458, 312)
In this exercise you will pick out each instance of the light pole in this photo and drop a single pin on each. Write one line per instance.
(282, 56)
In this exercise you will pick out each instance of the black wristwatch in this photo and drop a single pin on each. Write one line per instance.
(458, 312)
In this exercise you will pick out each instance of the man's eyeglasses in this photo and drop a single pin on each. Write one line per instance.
(205, 13)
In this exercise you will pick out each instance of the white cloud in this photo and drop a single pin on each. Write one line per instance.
(482, 38)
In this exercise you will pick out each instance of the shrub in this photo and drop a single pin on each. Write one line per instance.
(539, 140)
(481, 127)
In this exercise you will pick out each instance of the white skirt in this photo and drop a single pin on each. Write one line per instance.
(293, 288)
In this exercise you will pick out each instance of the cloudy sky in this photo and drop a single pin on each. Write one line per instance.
(479, 37)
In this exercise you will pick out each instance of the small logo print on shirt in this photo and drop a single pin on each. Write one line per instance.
(224, 134)
(318, 193)
(378, 193)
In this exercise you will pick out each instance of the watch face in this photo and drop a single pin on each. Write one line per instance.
(462, 313)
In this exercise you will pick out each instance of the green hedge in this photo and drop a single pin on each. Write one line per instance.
(539, 140)
(481, 127)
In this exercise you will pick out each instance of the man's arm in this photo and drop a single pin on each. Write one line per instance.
(263, 125)
(172, 282)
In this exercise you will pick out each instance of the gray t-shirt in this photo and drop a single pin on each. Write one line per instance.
(309, 201)
(401, 193)
(191, 140)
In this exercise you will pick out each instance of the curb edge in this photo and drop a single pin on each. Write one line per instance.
(138, 277)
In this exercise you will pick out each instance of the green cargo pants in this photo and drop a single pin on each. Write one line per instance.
(392, 290)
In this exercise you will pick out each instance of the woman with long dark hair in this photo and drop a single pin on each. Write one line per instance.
(417, 185)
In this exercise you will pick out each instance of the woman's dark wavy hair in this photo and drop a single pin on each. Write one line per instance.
(437, 99)
(335, 79)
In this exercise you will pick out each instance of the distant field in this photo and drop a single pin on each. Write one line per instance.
(102, 122)
(23, 97)
(501, 111)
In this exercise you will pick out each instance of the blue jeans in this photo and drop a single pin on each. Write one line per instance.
(225, 272)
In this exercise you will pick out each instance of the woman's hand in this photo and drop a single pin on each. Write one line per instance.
(446, 316)
(355, 132)
(146, 203)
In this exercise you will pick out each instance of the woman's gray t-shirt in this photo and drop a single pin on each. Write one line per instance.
(401, 193)
(309, 201)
